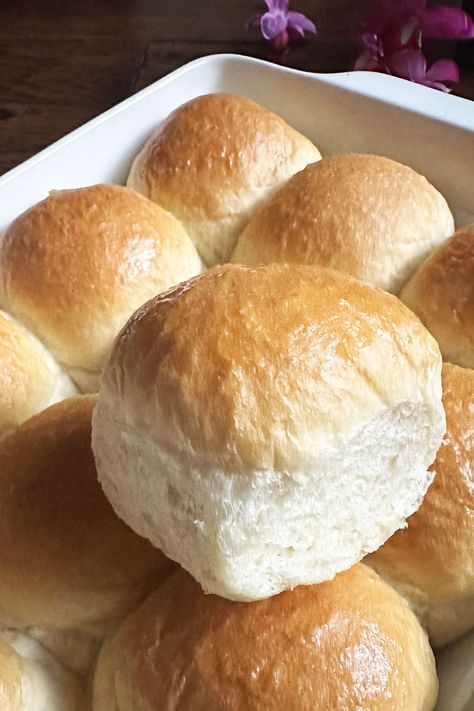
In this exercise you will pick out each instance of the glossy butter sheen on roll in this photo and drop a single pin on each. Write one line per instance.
(351, 643)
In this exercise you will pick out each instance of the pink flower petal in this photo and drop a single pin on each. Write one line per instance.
(443, 70)
(280, 42)
(299, 22)
(372, 52)
(409, 64)
(446, 23)
(437, 85)
(272, 25)
(295, 33)
(277, 5)
(395, 40)
(371, 41)
(386, 15)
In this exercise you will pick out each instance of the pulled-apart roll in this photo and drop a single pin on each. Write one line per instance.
(268, 427)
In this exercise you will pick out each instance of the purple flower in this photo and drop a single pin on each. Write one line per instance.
(445, 23)
(411, 64)
(387, 15)
(442, 22)
(372, 53)
(279, 25)
(394, 38)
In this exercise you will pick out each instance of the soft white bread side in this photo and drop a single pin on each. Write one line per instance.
(212, 164)
(32, 680)
(268, 427)
(351, 643)
(365, 215)
(30, 378)
(70, 569)
(76, 265)
(441, 293)
(432, 560)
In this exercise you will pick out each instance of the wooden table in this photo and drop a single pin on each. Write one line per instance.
(64, 61)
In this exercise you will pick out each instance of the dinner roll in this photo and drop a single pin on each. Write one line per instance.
(213, 162)
(365, 215)
(441, 292)
(351, 643)
(268, 427)
(76, 265)
(32, 680)
(455, 666)
(432, 560)
(69, 568)
(30, 378)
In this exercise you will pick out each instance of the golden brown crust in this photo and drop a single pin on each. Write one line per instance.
(76, 265)
(11, 677)
(365, 215)
(213, 161)
(346, 644)
(435, 553)
(441, 293)
(30, 379)
(66, 560)
(247, 368)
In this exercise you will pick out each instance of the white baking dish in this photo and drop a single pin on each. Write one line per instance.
(355, 111)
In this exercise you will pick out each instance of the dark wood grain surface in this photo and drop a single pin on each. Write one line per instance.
(63, 62)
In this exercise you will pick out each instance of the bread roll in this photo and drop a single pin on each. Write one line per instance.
(365, 215)
(30, 378)
(69, 568)
(351, 643)
(32, 680)
(76, 265)
(432, 560)
(441, 293)
(455, 666)
(268, 427)
(213, 162)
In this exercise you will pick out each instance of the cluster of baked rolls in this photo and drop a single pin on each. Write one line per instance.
(269, 504)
